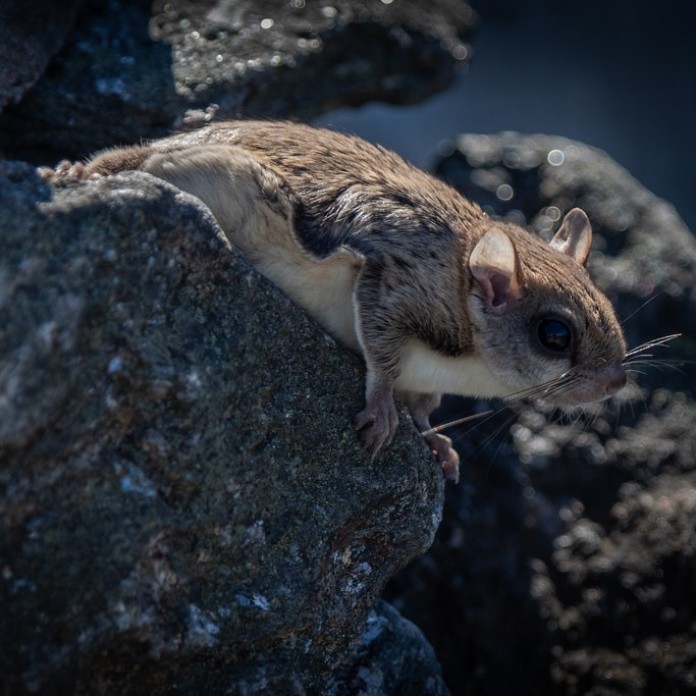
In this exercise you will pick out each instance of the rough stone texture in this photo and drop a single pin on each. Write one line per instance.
(183, 504)
(393, 657)
(31, 31)
(146, 67)
(566, 559)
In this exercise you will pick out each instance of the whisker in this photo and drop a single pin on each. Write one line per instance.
(654, 363)
(492, 436)
(657, 364)
(647, 359)
(458, 421)
(645, 304)
(505, 426)
(557, 417)
(633, 410)
(546, 389)
(634, 359)
(655, 342)
(593, 419)
(551, 391)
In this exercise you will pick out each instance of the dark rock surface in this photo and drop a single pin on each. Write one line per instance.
(130, 71)
(567, 556)
(31, 31)
(183, 504)
(392, 657)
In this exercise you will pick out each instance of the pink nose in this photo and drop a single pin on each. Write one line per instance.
(615, 379)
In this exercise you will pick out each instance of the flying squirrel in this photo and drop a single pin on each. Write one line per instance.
(436, 296)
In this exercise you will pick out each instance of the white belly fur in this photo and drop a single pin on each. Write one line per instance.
(331, 306)
(424, 370)
(227, 180)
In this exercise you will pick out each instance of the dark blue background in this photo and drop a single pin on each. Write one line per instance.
(615, 74)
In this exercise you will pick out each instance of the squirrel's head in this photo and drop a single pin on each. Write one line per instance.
(538, 320)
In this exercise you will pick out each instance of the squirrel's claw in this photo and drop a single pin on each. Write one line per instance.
(377, 423)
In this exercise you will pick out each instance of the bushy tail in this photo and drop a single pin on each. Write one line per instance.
(124, 159)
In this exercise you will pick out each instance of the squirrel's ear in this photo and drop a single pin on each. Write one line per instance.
(495, 267)
(574, 236)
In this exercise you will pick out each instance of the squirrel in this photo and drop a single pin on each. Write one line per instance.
(435, 295)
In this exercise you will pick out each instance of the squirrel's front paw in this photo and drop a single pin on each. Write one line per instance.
(377, 423)
(67, 171)
(441, 447)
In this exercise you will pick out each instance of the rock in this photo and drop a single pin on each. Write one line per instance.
(393, 657)
(625, 617)
(565, 560)
(31, 31)
(280, 59)
(184, 504)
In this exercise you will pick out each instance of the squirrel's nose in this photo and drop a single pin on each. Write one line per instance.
(615, 379)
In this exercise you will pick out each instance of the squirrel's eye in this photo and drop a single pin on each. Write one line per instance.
(554, 335)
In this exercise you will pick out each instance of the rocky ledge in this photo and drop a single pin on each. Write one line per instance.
(183, 498)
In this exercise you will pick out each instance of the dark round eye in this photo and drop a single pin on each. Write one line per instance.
(554, 335)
